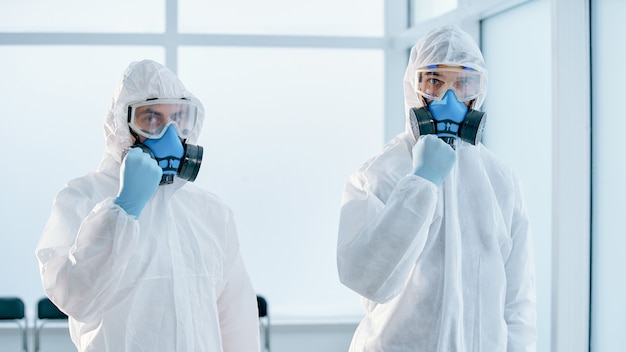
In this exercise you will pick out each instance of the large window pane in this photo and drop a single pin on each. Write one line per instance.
(422, 10)
(286, 17)
(519, 125)
(284, 129)
(82, 16)
(54, 100)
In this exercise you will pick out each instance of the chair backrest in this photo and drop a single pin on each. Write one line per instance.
(47, 310)
(11, 308)
(262, 305)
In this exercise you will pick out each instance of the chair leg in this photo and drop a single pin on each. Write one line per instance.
(37, 331)
(24, 330)
(264, 335)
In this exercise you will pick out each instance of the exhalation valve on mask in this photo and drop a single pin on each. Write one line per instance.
(470, 129)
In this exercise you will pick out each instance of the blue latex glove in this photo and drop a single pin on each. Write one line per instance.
(140, 176)
(433, 159)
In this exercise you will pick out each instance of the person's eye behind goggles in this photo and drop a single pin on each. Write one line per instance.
(151, 118)
(433, 81)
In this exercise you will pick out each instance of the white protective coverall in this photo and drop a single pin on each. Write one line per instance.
(171, 280)
(440, 269)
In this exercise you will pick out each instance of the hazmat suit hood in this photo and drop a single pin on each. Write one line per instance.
(447, 45)
(140, 81)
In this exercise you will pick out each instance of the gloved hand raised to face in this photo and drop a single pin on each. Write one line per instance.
(140, 176)
(432, 158)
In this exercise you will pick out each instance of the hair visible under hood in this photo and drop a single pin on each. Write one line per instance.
(142, 80)
(447, 45)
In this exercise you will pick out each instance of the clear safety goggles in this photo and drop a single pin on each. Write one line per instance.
(433, 81)
(151, 118)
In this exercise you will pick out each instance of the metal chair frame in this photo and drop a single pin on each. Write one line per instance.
(12, 310)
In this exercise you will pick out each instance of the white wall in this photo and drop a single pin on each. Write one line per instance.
(608, 303)
(518, 127)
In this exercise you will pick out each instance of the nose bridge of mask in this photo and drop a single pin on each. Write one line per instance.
(169, 125)
(448, 112)
(167, 150)
(460, 92)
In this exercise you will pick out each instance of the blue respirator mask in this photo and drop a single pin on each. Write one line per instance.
(165, 124)
(444, 91)
(449, 119)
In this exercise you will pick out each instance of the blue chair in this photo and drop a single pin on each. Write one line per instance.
(264, 322)
(12, 310)
(46, 311)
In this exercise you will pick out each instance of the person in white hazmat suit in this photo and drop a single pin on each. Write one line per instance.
(433, 230)
(137, 256)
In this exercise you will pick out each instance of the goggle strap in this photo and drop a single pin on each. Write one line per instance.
(134, 134)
